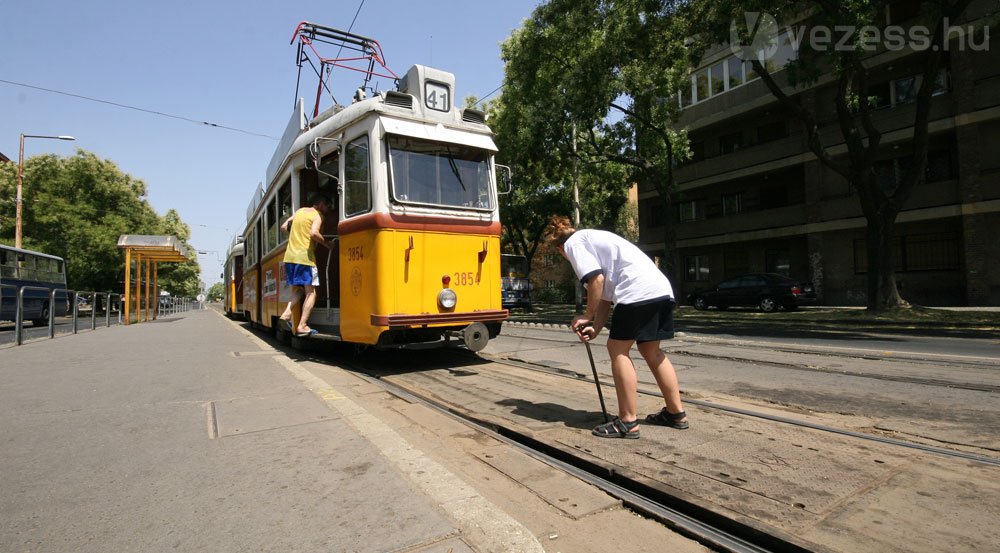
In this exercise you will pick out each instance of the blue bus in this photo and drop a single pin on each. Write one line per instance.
(27, 268)
(514, 281)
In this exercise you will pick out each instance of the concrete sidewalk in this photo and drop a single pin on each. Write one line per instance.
(191, 434)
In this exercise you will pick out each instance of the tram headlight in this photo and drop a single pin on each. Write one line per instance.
(447, 298)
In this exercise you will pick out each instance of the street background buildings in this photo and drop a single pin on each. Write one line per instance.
(754, 198)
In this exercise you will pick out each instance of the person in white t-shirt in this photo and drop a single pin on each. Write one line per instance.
(616, 272)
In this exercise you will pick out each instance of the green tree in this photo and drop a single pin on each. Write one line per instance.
(76, 207)
(180, 279)
(216, 291)
(853, 76)
(594, 81)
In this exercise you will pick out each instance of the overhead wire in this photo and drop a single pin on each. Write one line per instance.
(144, 110)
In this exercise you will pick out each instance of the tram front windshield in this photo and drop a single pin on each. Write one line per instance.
(438, 173)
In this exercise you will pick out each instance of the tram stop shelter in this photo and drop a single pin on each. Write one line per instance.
(152, 250)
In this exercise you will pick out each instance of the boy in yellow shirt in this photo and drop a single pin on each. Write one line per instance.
(305, 231)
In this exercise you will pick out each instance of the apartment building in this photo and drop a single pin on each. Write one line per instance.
(755, 199)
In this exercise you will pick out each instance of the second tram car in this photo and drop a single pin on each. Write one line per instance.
(413, 217)
(232, 279)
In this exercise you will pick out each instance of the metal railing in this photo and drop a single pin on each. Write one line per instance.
(95, 303)
(112, 304)
(18, 312)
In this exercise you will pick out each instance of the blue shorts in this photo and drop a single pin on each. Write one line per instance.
(301, 275)
(643, 322)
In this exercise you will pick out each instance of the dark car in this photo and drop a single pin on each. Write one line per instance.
(766, 291)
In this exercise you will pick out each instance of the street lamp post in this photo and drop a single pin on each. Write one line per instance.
(20, 181)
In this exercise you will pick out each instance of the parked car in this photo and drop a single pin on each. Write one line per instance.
(766, 291)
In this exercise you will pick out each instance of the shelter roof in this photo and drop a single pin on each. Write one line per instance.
(154, 247)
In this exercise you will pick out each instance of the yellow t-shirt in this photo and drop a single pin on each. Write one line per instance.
(300, 247)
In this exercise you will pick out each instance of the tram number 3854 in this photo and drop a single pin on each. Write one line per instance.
(464, 279)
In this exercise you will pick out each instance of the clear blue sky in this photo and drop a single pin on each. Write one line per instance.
(225, 62)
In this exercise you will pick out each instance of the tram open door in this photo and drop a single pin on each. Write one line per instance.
(320, 175)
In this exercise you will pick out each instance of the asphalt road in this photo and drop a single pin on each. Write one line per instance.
(880, 343)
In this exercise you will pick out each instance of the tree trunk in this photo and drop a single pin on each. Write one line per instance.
(882, 291)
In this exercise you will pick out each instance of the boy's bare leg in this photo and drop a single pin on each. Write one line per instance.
(307, 307)
(296, 297)
(665, 375)
(625, 378)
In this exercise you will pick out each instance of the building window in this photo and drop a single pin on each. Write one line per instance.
(687, 211)
(697, 268)
(784, 54)
(732, 203)
(687, 93)
(772, 131)
(931, 252)
(729, 143)
(886, 173)
(906, 90)
(697, 151)
(880, 96)
(652, 213)
(718, 79)
(903, 10)
(916, 252)
(778, 261)
(701, 85)
(735, 66)
(735, 262)
(773, 196)
(939, 166)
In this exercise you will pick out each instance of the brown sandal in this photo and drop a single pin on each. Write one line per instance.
(617, 428)
(666, 418)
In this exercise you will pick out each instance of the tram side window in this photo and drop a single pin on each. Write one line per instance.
(357, 182)
(251, 249)
(272, 225)
(284, 207)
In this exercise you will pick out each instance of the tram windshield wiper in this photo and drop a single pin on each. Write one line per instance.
(454, 169)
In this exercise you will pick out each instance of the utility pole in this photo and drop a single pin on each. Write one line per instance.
(20, 183)
(578, 288)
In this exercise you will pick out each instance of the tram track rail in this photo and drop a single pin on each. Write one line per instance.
(701, 518)
(945, 452)
(707, 522)
(709, 528)
(972, 386)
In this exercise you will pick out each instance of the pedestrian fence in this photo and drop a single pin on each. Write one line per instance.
(99, 308)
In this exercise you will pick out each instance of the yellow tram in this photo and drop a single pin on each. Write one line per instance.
(414, 219)
(232, 279)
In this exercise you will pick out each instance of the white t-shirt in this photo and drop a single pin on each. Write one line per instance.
(630, 276)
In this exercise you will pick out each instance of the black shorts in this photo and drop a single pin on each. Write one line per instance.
(643, 322)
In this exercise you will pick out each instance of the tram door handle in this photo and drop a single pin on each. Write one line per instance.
(484, 251)
(408, 250)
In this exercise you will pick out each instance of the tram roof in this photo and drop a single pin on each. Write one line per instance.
(404, 110)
